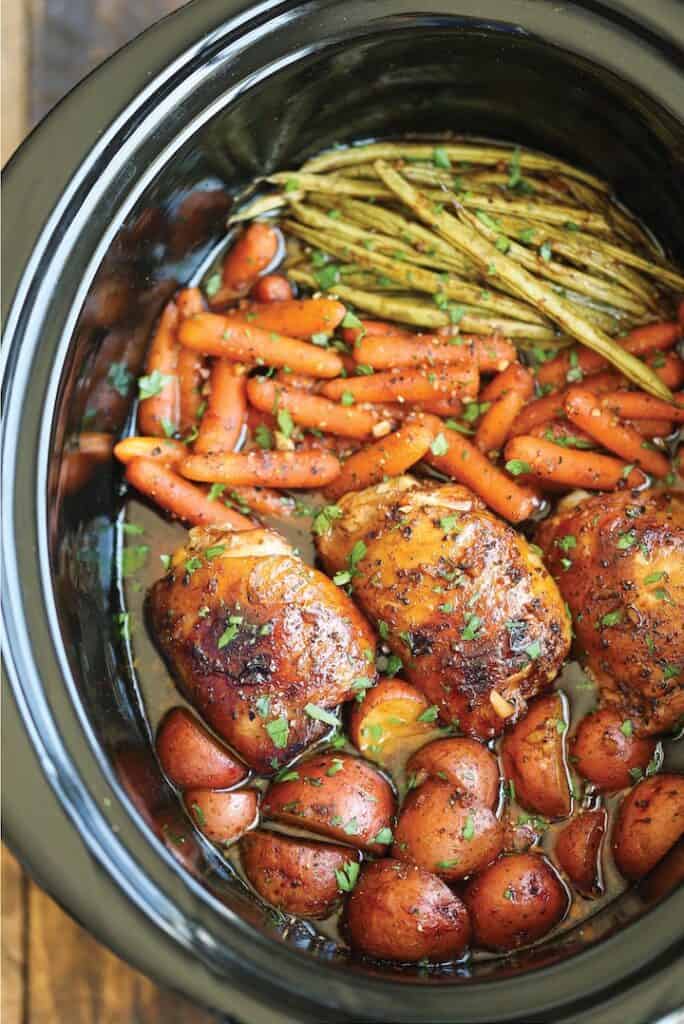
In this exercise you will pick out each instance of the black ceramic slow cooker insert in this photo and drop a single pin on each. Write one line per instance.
(210, 98)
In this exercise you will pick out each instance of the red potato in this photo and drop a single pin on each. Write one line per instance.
(391, 714)
(400, 912)
(222, 817)
(335, 795)
(515, 901)
(577, 851)
(649, 823)
(254, 250)
(533, 758)
(442, 833)
(298, 876)
(465, 763)
(606, 751)
(191, 757)
(272, 288)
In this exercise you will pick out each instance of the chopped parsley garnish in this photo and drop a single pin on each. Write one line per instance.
(278, 730)
(611, 618)
(152, 385)
(347, 877)
(347, 398)
(320, 714)
(384, 837)
(567, 542)
(471, 627)
(627, 728)
(230, 632)
(440, 158)
(468, 831)
(215, 491)
(429, 715)
(440, 445)
(134, 558)
(516, 467)
(626, 540)
(263, 436)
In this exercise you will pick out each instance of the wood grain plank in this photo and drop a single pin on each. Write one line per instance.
(15, 84)
(13, 940)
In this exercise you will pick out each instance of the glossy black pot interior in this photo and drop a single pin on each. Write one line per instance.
(213, 97)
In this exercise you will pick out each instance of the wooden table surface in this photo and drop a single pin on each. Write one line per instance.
(52, 971)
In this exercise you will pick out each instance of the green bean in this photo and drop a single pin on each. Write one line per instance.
(459, 152)
(297, 182)
(567, 277)
(258, 206)
(413, 277)
(549, 213)
(539, 294)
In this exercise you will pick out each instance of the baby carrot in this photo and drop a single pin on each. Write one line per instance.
(189, 301)
(563, 433)
(174, 494)
(460, 459)
(497, 422)
(264, 468)
(638, 342)
(514, 378)
(652, 428)
(254, 250)
(296, 380)
(390, 456)
(584, 409)
(264, 501)
(372, 329)
(552, 406)
(310, 410)
(221, 425)
(296, 318)
(272, 288)
(161, 449)
(407, 385)
(160, 413)
(636, 405)
(391, 351)
(670, 368)
(190, 383)
(215, 335)
(555, 464)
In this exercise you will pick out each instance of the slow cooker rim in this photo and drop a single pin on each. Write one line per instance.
(14, 169)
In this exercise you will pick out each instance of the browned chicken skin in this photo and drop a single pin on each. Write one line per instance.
(468, 605)
(253, 635)
(619, 562)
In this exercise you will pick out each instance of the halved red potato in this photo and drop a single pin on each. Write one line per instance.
(534, 758)
(577, 850)
(335, 795)
(649, 823)
(191, 757)
(391, 715)
(607, 752)
(464, 762)
(515, 901)
(222, 817)
(440, 832)
(298, 876)
(401, 912)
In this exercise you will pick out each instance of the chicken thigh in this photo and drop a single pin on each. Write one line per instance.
(619, 562)
(255, 637)
(458, 595)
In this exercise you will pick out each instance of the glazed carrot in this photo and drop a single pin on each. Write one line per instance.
(514, 378)
(390, 456)
(447, 407)
(263, 501)
(264, 468)
(160, 413)
(552, 406)
(408, 385)
(563, 433)
(669, 367)
(584, 409)
(636, 405)
(310, 410)
(215, 335)
(296, 380)
(558, 465)
(372, 329)
(272, 288)
(466, 463)
(296, 318)
(497, 422)
(391, 351)
(191, 372)
(639, 342)
(97, 446)
(174, 494)
(221, 425)
(161, 449)
(652, 428)
(254, 250)
(190, 301)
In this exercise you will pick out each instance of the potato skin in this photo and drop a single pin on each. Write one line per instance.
(191, 757)
(440, 832)
(465, 763)
(649, 823)
(401, 912)
(222, 817)
(387, 715)
(335, 795)
(533, 758)
(515, 901)
(604, 754)
(294, 875)
(577, 850)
